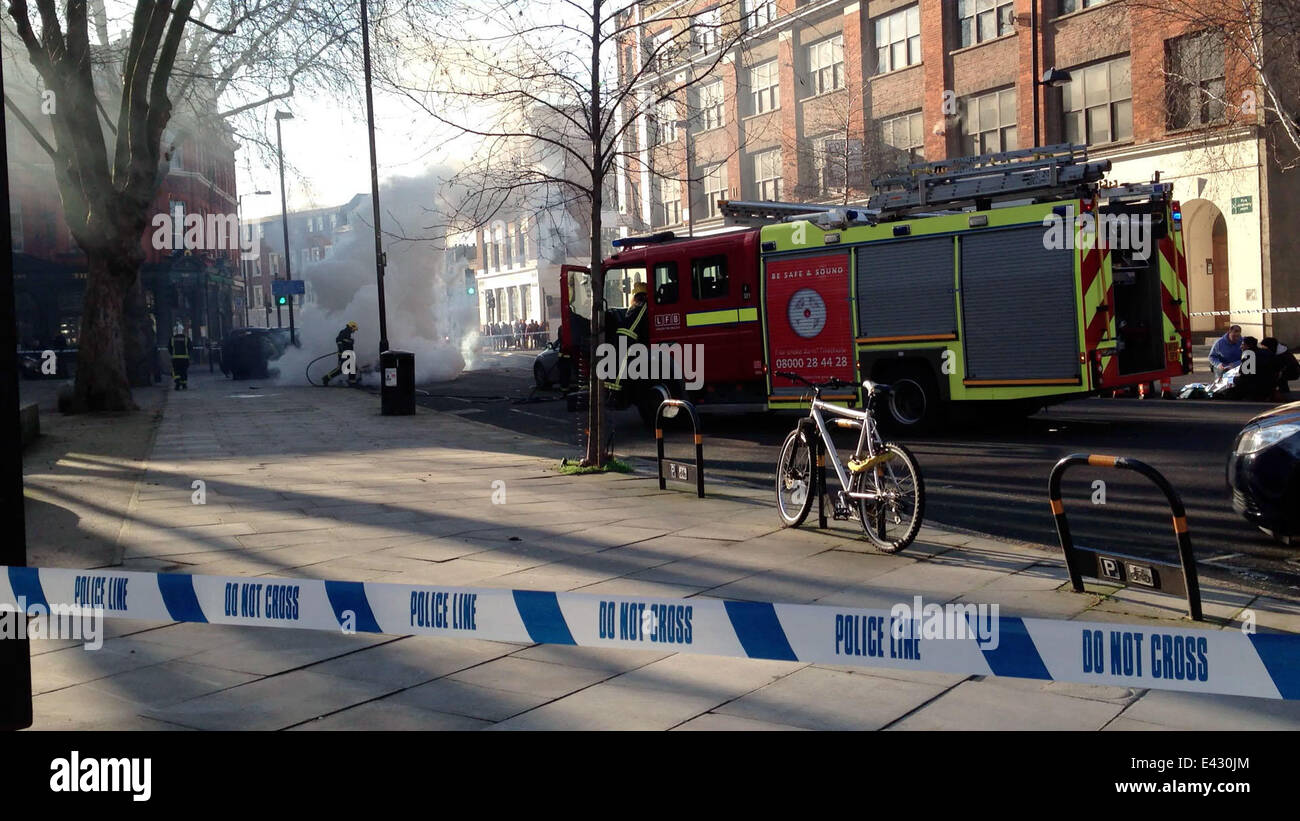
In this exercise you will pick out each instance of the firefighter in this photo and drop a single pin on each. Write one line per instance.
(635, 327)
(344, 342)
(180, 351)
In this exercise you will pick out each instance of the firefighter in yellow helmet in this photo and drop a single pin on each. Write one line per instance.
(635, 327)
(344, 342)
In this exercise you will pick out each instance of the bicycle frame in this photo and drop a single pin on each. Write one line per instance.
(866, 439)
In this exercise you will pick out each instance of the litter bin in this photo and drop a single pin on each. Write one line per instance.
(397, 392)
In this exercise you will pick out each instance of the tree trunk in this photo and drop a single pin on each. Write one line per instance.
(138, 337)
(102, 383)
(596, 397)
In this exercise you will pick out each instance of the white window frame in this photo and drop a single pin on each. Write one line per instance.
(765, 87)
(706, 28)
(658, 47)
(768, 175)
(988, 20)
(715, 188)
(1071, 6)
(975, 129)
(665, 122)
(712, 109)
(1088, 104)
(668, 210)
(758, 13)
(1209, 87)
(914, 144)
(826, 65)
(898, 39)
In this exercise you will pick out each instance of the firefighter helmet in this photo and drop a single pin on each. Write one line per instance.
(352, 326)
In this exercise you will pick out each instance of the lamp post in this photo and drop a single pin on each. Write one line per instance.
(284, 218)
(380, 259)
(243, 263)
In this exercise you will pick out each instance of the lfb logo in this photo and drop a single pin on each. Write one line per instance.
(668, 320)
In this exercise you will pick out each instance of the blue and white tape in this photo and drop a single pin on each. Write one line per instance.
(1194, 660)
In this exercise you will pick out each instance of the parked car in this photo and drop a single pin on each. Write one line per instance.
(245, 352)
(550, 368)
(1264, 472)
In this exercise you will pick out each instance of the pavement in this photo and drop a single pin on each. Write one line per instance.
(314, 483)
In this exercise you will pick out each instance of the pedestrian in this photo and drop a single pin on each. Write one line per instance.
(1257, 381)
(180, 351)
(1284, 361)
(1226, 353)
(345, 343)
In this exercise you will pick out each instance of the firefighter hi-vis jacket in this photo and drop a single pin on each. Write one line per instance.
(180, 347)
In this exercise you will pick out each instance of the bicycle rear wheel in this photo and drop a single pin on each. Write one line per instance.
(893, 519)
(794, 479)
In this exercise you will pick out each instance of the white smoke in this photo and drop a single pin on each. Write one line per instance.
(428, 312)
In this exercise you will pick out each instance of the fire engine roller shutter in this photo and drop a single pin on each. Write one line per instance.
(1019, 318)
(906, 288)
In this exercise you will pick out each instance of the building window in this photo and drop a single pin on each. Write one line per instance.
(1097, 103)
(990, 123)
(898, 39)
(176, 210)
(711, 110)
(521, 248)
(837, 164)
(758, 13)
(670, 202)
(764, 88)
(1068, 6)
(906, 136)
(826, 65)
(275, 266)
(706, 25)
(664, 123)
(659, 50)
(767, 175)
(715, 187)
(1194, 79)
(980, 20)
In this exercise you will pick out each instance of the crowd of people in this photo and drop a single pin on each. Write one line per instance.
(520, 335)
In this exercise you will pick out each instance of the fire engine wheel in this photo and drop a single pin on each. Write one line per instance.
(794, 480)
(913, 401)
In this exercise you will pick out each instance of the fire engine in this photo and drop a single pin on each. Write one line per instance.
(1022, 278)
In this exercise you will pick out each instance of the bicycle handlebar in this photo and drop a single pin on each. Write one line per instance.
(834, 382)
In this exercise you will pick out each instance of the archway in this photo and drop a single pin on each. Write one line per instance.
(1205, 242)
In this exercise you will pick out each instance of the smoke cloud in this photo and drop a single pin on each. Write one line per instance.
(429, 312)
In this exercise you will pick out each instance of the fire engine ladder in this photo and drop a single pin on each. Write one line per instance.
(740, 212)
(1053, 171)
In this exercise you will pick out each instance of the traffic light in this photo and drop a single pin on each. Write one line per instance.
(282, 300)
(470, 283)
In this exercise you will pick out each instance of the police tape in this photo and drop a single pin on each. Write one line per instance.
(1291, 310)
(963, 639)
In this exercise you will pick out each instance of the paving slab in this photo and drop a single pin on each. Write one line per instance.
(272, 703)
(819, 699)
(387, 714)
(991, 704)
(521, 675)
(609, 707)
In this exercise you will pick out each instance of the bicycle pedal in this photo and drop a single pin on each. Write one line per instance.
(856, 466)
(841, 514)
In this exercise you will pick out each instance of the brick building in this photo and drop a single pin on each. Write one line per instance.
(821, 96)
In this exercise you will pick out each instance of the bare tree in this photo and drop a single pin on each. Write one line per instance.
(223, 59)
(553, 89)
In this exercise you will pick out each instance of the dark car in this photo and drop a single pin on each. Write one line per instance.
(245, 352)
(1264, 472)
(550, 368)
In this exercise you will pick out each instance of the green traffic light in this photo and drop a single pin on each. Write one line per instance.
(284, 300)
(470, 291)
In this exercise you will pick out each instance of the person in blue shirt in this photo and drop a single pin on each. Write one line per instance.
(1226, 352)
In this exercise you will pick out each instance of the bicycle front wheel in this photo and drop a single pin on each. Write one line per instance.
(794, 479)
(893, 518)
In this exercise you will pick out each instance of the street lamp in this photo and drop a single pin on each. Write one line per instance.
(380, 259)
(284, 218)
(243, 263)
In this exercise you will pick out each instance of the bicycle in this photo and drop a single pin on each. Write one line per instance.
(882, 487)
